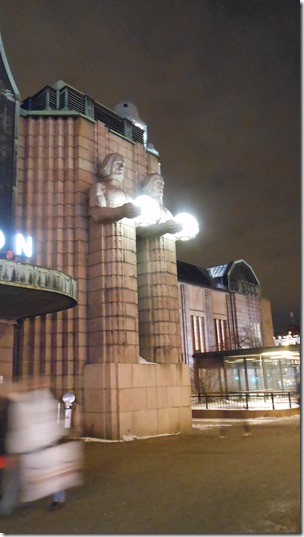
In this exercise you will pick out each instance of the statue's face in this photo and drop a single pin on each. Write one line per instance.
(118, 170)
(157, 187)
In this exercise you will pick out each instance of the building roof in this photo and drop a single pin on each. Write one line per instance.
(219, 270)
(233, 276)
(236, 275)
(191, 274)
(61, 99)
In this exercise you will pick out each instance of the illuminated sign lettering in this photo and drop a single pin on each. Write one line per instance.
(22, 246)
(2, 239)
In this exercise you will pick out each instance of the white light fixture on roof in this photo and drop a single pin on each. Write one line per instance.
(150, 211)
(128, 110)
(190, 226)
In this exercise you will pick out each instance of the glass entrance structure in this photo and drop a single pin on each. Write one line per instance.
(248, 370)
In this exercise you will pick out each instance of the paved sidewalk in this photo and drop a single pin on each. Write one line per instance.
(220, 479)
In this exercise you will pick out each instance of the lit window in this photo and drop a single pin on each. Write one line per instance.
(198, 333)
(221, 334)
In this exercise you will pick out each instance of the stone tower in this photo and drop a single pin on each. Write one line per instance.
(94, 348)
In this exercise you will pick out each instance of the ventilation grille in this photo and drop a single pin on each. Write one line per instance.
(52, 98)
(62, 100)
(137, 134)
(46, 99)
(75, 101)
(66, 98)
(111, 120)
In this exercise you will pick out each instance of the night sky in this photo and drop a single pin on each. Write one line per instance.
(218, 84)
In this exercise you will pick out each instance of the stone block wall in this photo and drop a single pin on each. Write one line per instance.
(136, 399)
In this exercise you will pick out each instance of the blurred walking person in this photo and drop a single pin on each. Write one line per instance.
(34, 463)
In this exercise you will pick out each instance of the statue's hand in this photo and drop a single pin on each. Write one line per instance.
(157, 230)
(106, 215)
(128, 210)
(173, 227)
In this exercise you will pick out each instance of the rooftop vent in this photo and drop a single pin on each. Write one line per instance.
(129, 111)
(62, 99)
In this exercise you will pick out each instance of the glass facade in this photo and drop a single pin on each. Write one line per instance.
(269, 371)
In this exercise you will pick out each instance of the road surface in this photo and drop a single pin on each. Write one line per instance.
(222, 478)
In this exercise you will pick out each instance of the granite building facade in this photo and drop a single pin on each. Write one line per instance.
(125, 347)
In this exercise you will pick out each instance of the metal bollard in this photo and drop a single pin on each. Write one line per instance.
(68, 399)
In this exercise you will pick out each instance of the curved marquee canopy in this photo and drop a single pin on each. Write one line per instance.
(27, 290)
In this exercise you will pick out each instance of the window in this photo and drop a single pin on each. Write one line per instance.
(198, 333)
(257, 333)
(221, 334)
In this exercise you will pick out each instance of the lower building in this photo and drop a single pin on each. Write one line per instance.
(264, 369)
(221, 308)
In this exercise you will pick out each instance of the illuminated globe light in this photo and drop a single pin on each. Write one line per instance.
(150, 211)
(190, 226)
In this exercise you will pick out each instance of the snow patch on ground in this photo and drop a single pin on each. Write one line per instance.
(208, 424)
(203, 426)
(126, 438)
(92, 439)
(197, 424)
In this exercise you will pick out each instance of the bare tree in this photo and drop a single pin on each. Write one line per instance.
(208, 380)
(248, 338)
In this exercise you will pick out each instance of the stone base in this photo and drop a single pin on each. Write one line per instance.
(137, 399)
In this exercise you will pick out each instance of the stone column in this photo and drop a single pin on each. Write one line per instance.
(158, 303)
(112, 295)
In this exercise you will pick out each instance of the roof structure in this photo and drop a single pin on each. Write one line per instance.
(219, 270)
(61, 99)
(191, 274)
(233, 276)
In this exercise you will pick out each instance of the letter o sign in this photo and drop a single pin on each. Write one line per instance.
(2, 239)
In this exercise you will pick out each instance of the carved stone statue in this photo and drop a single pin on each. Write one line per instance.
(153, 186)
(108, 201)
(158, 305)
(112, 266)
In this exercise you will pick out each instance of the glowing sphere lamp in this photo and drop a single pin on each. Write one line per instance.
(190, 226)
(150, 211)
